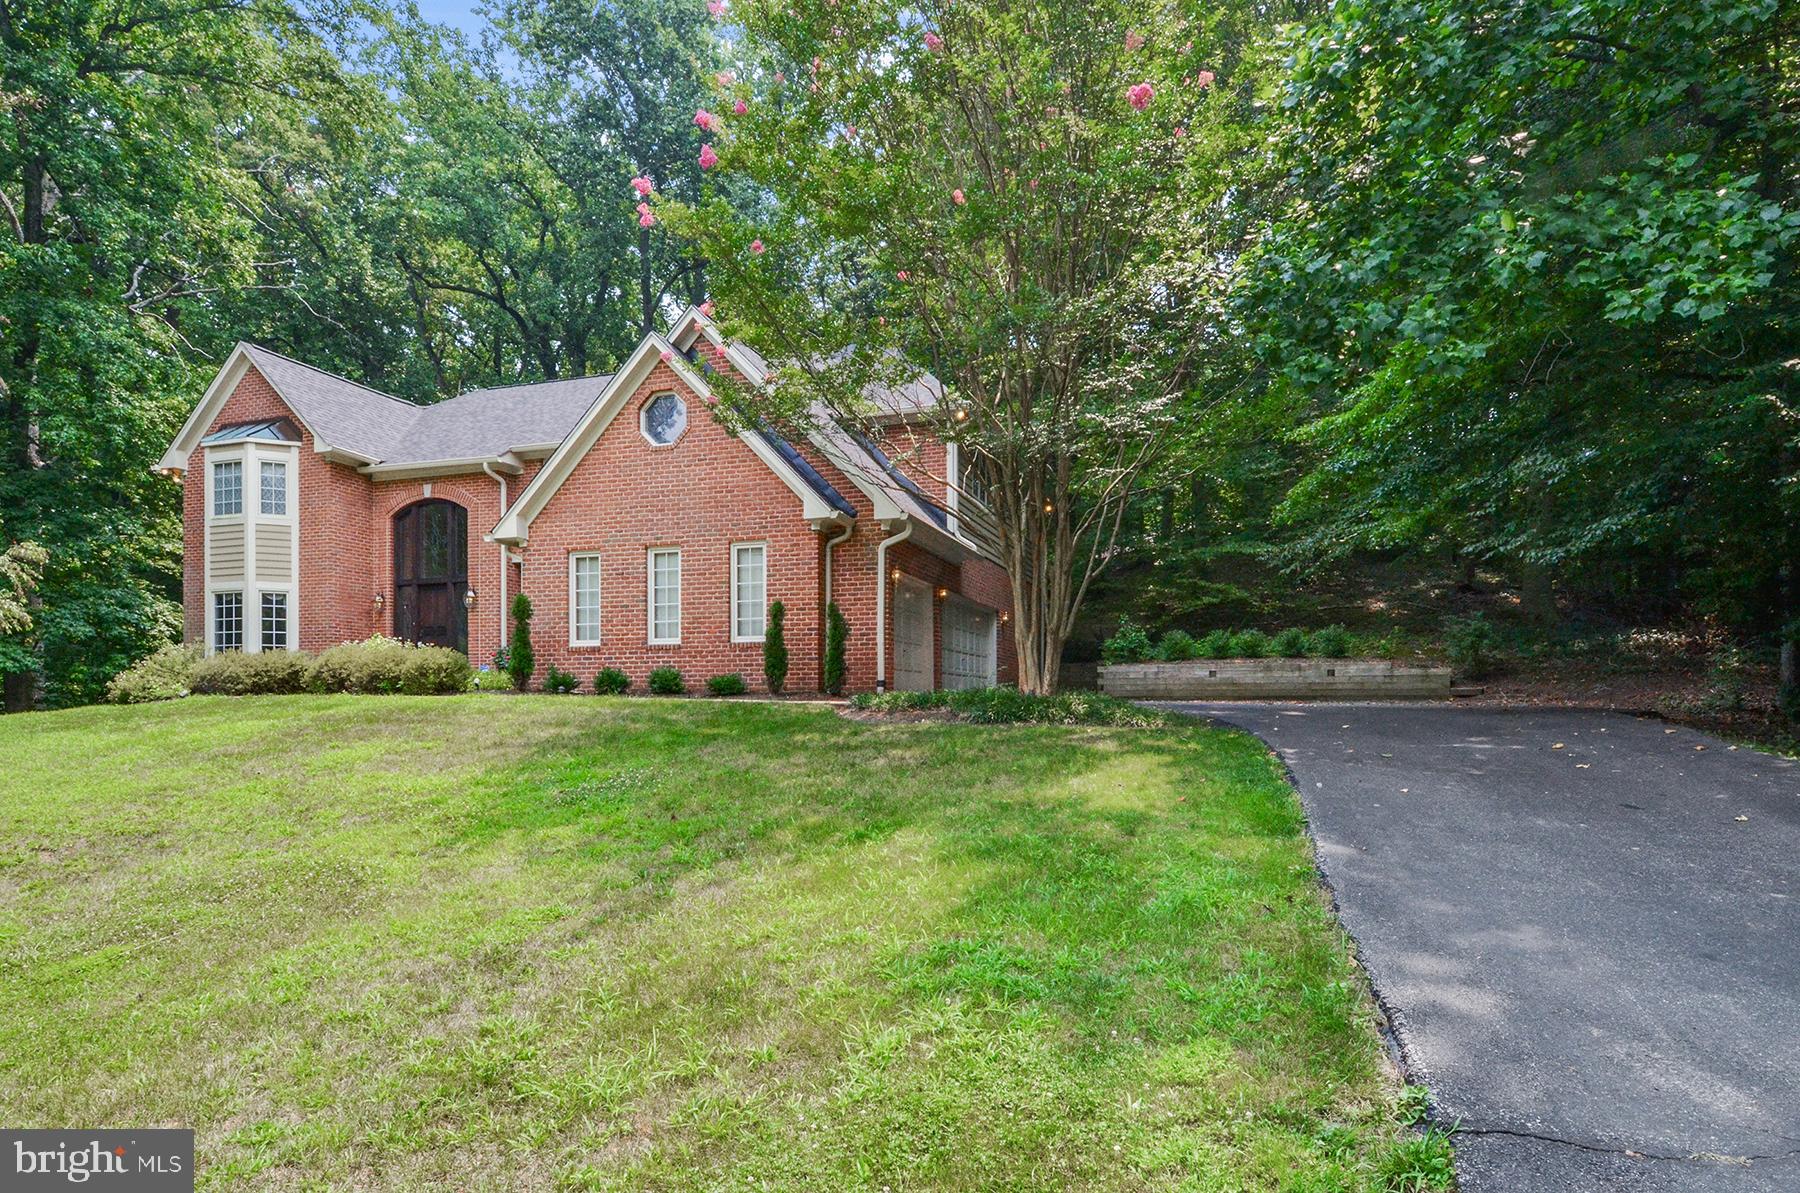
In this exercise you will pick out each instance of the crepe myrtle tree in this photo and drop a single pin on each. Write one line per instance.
(1003, 194)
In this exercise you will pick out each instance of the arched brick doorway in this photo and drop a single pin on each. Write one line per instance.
(431, 574)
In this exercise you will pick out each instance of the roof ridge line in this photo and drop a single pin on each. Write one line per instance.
(338, 376)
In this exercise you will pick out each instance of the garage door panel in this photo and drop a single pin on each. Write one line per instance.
(970, 646)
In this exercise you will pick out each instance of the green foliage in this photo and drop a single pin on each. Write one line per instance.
(1176, 646)
(837, 637)
(667, 681)
(165, 675)
(1006, 706)
(1250, 644)
(386, 666)
(1727, 678)
(520, 661)
(1131, 644)
(560, 682)
(235, 673)
(1420, 1164)
(610, 681)
(1216, 645)
(727, 685)
(775, 652)
(1289, 643)
(1470, 643)
(1331, 642)
(488, 679)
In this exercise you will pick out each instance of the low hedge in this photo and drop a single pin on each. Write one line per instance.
(166, 675)
(1009, 706)
(377, 666)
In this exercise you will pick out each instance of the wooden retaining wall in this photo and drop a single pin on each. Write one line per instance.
(1276, 679)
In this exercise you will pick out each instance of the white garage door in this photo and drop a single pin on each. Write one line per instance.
(969, 646)
(912, 636)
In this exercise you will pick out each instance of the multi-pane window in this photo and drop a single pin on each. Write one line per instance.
(228, 621)
(584, 600)
(274, 488)
(749, 591)
(665, 595)
(228, 488)
(274, 621)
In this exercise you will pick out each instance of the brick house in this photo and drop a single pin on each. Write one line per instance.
(645, 531)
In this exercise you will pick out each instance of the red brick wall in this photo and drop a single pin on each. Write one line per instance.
(702, 494)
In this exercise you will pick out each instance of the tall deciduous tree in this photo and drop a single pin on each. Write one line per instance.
(1009, 195)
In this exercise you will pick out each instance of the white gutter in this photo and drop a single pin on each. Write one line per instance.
(849, 529)
(881, 589)
(488, 468)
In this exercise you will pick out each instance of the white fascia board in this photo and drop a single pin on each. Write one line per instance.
(198, 419)
(502, 463)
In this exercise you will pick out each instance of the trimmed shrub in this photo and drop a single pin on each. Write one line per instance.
(1130, 645)
(611, 681)
(667, 681)
(1290, 643)
(775, 652)
(1216, 645)
(727, 685)
(560, 682)
(1250, 644)
(1177, 646)
(271, 673)
(1332, 642)
(1470, 643)
(487, 679)
(381, 666)
(520, 662)
(837, 638)
(166, 675)
(1009, 706)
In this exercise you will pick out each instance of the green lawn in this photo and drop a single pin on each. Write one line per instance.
(541, 942)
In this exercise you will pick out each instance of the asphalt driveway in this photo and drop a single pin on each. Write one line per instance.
(1584, 926)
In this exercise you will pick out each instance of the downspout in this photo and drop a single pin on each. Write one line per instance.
(825, 610)
(488, 468)
(829, 545)
(881, 589)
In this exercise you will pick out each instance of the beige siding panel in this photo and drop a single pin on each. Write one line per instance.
(274, 554)
(227, 552)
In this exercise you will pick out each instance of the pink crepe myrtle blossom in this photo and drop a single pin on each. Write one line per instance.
(726, 77)
(646, 217)
(716, 8)
(934, 43)
(643, 185)
(668, 357)
(1204, 78)
(1032, 184)
(1134, 41)
(739, 108)
(1140, 95)
(1180, 131)
(904, 276)
(708, 159)
(704, 119)
(706, 308)
(817, 62)
(957, 197)
(780, 76)
(756, 246)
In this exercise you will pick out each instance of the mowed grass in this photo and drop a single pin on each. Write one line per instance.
(540, 942)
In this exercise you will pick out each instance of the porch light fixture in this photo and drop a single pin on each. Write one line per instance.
(380, 600)
(942, 593)
(1005, 615)
(469, 599)
(895, 575)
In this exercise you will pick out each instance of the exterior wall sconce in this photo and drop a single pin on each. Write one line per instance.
(942, 593)
(469, 599)
(380, 600)
(895, 575)
(1005, 615)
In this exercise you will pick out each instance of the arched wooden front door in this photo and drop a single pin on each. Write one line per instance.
(431, 574)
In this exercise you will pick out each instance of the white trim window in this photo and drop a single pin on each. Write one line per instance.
(665, 596)
(228, 488)
(584, 599)
(274, 621)
(228, 621)
(273, 478)
(749, 591)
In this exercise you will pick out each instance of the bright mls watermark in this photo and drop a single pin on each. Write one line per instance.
(149, 1161)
